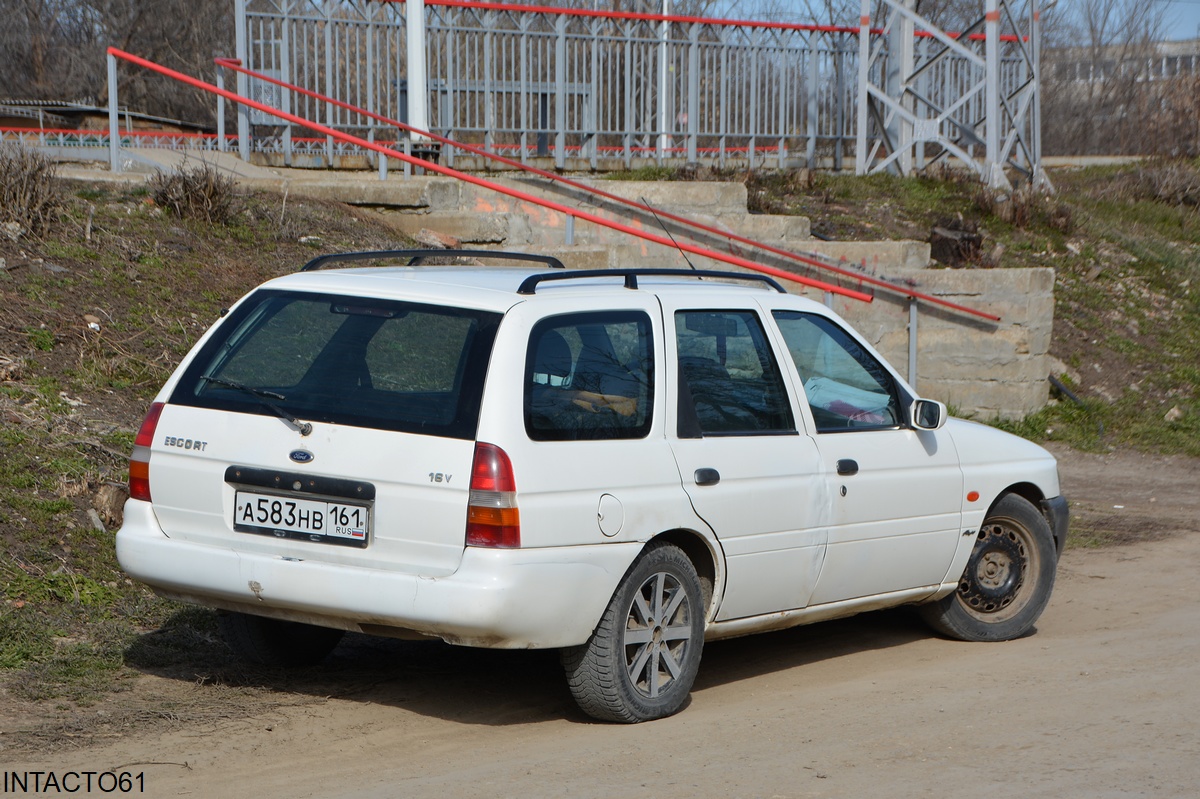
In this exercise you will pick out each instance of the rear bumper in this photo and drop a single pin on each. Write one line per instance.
(498, 598)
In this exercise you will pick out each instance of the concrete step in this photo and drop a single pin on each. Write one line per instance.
(991, 370)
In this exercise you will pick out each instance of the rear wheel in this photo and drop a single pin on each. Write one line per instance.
(272, 642)
(643, 657)
(1008, 579)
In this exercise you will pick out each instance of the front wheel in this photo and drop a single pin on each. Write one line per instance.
(1008, 579)
(642, 659)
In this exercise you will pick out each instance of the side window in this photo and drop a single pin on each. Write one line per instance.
(847, 388)
(590, 376)
(729, 381)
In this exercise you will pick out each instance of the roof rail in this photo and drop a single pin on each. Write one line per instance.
(530, 284)
(416, 257)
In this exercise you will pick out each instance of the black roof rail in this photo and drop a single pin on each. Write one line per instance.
(417, 256)
(530, 284)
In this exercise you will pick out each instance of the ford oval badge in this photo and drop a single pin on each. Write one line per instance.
(301, 456)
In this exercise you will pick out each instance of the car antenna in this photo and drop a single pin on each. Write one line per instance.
(666, 230)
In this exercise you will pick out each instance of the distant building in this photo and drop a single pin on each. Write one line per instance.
(1132, 99)
(1155, 62)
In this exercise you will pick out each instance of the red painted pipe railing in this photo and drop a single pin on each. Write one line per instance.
(486, 184)
(683, 20)
(807, 260)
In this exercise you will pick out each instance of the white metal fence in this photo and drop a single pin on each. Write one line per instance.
(571, 83)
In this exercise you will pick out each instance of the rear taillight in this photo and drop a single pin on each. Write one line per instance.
(492, 518)
(139, 462)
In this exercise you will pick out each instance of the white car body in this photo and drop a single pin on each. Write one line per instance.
(781, 538)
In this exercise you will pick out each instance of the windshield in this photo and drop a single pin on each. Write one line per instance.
(346, 360)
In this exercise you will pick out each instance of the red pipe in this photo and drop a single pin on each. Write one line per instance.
(685, 20)
(518, 195)
(584, 12)
(235, 64)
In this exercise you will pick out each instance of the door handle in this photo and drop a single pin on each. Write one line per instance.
(847, 467)
(707, 477)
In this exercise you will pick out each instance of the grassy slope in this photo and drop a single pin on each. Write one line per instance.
(72, 398)
(1125, 243)
(73, 629)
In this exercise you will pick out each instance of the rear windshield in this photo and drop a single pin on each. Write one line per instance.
(347, 360)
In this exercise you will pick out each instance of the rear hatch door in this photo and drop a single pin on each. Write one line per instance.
(327, 427)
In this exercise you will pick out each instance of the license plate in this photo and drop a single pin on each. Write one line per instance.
(323, 521)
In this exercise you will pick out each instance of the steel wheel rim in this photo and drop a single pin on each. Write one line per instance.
(1005, 559)
(658, 634)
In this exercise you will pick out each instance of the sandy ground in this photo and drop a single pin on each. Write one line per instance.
(1102, 701)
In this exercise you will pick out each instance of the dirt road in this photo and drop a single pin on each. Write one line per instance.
(1103, 701)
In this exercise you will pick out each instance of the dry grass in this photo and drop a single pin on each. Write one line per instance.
(1171, 182)
(1175, 183)
(29, 200)
(199, 192)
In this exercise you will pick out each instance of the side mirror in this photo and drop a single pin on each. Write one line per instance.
(927, 414)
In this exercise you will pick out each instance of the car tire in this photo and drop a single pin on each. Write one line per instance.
(272, 642)
(640, 662)
(1007, 581)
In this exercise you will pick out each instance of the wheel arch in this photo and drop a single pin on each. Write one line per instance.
(1052, 509)
(1027, 491)
(703, 557)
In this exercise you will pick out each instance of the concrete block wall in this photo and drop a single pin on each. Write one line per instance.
(981, 369)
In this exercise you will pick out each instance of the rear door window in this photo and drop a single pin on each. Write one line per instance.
(590, 376)
(730, 383)
(373, 363)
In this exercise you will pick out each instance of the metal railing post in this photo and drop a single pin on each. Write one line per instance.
(285, 67)
(899, 67)
(523, 32)
(912, 342)
(755, 41)
(783, 92)
(664, 110)
(222, 145)
(693, 90)
(114, 123)
(592, 133)
(418, 81)
(991, 26)
(839, 141)
(1040, 179)
(810, 150)
(372, 103)
(489, 102)
(560, 93)
(627, 133)
(723, 113)
(330, 119)
(242, 53)
(864, 80)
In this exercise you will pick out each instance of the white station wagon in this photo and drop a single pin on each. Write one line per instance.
(619, 464)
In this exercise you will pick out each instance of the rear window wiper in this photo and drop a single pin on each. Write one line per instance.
(263, 395)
